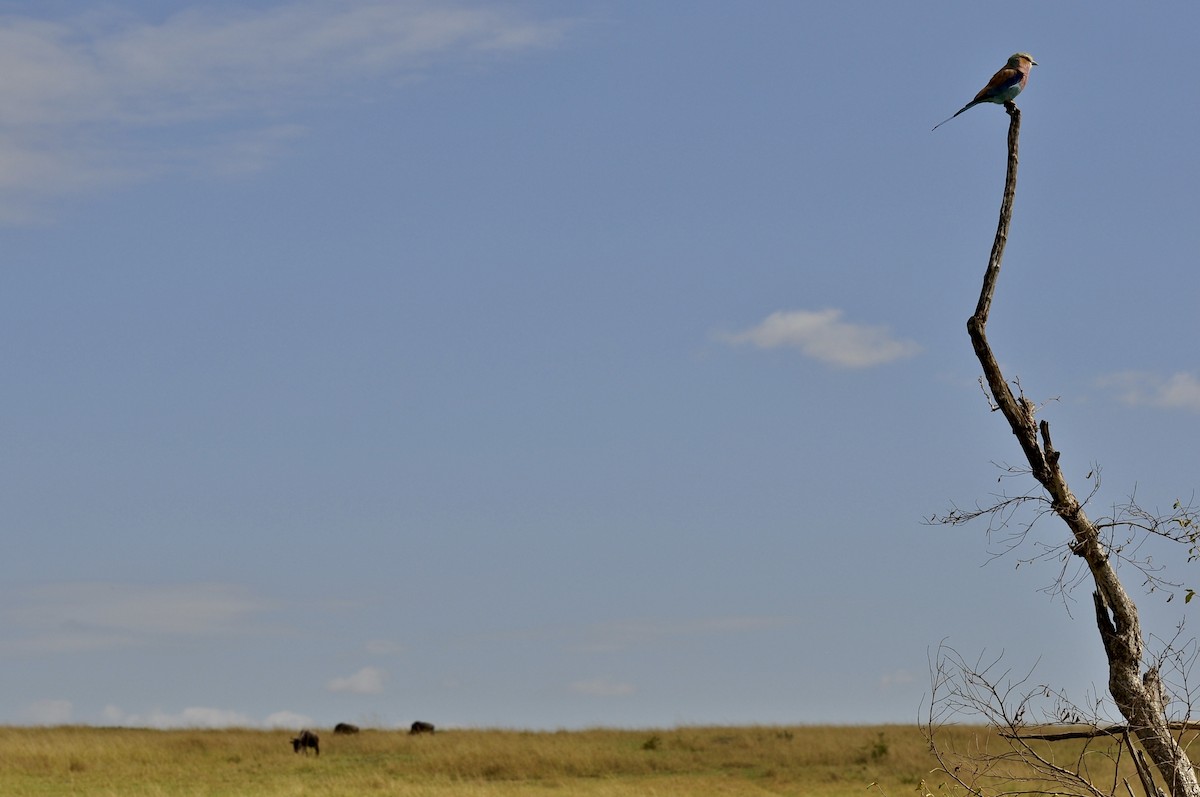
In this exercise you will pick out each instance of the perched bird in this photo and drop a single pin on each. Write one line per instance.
(1004, 85)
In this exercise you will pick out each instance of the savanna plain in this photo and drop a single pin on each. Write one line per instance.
(832, 761)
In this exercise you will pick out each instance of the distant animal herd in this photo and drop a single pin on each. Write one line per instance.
(307, 740)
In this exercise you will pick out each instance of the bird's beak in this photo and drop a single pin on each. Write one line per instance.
(1033, 62)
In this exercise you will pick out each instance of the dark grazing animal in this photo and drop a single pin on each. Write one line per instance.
(305, 740)
(345, 727)
(421, 727)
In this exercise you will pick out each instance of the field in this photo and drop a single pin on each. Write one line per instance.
(802, 760)
(822, 762)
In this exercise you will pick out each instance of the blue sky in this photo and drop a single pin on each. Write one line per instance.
(549, 365)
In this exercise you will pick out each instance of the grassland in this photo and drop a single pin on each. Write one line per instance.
(810, 761)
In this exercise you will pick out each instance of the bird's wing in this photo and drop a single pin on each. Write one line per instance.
(1006, 78)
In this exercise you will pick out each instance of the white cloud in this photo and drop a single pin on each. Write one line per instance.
(367, 681)
(1179, 391)
(86, 97)
(288, 719)
(897, 678)
(620, 635)
(48, 712)
(384, 647)
(201, 717)
(192, 717)
(602, 687)
(247, 151)
(96, 615)
(822, 335)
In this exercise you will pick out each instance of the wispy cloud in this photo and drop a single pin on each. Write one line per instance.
(385, 647)
(602, 687)
(84, 97)
(192, 717)
(65, 618)
(367, 681)
(48, 712)
(620, 635)
(617, 635)
(896, 679)
(1180, 391)
(201, 717)
(288, 719)
(824, 336)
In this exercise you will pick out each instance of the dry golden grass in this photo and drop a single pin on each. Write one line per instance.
(804, 760)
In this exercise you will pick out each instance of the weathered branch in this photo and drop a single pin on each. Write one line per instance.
(1143, 770)
(1092, 733)
(1139, 697)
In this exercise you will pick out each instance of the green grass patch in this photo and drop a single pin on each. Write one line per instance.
(795, 760)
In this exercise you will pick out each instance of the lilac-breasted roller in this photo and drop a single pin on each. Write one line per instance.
(1004, 85)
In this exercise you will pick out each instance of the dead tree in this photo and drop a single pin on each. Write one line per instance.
(1136, 687)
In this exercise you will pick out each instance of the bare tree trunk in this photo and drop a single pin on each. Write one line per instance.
(1140, 697)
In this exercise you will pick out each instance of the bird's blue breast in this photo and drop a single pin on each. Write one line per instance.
(1006, 93)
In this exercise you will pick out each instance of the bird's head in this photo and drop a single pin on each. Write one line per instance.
(1018, 60)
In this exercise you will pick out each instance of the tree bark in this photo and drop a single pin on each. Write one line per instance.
(1139, 696)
